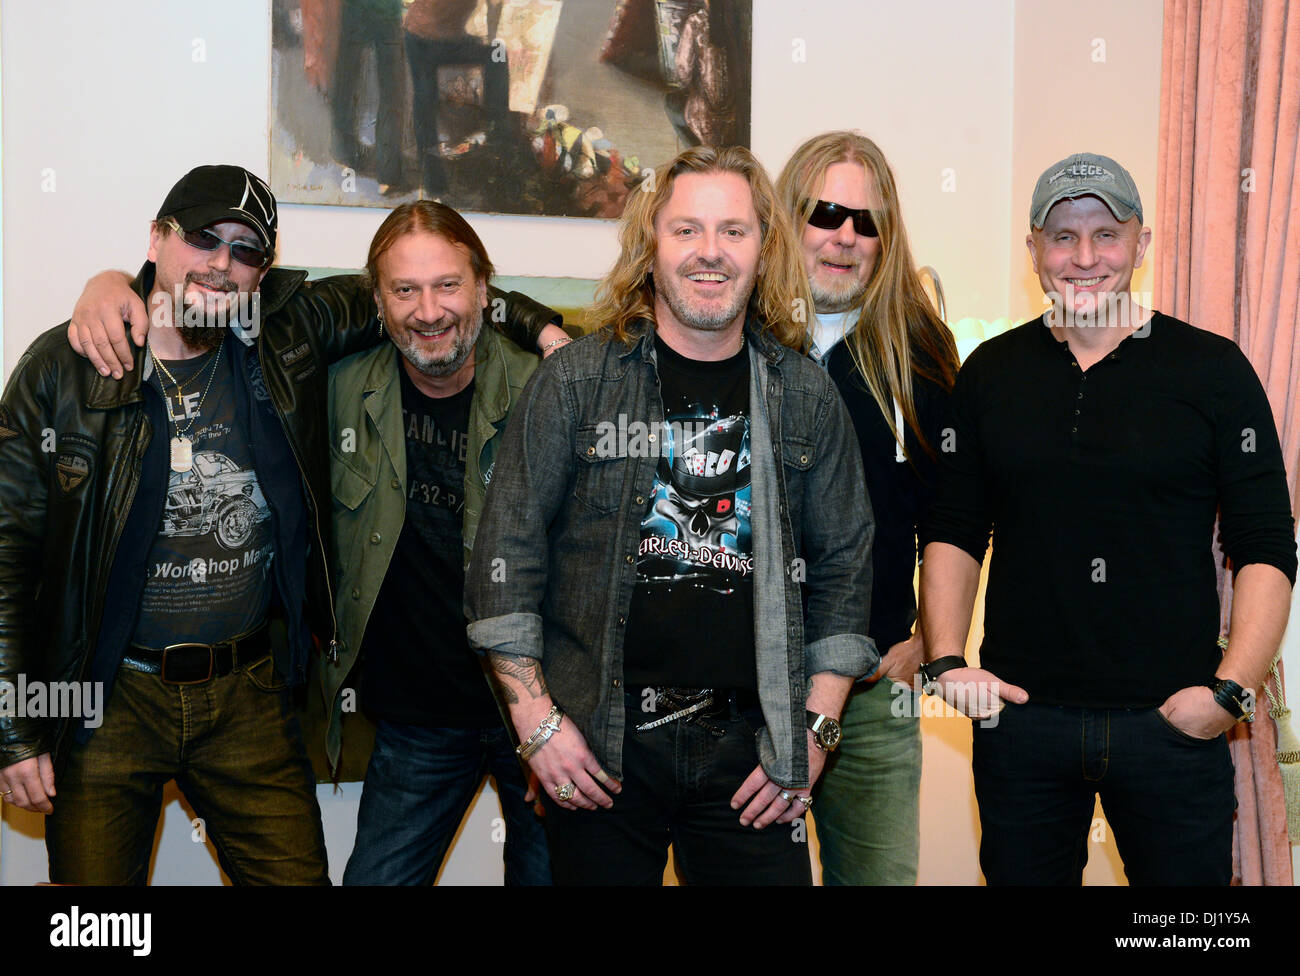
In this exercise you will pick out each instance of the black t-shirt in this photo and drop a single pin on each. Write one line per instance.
(419, 668)
(692, 618)
(209, 568)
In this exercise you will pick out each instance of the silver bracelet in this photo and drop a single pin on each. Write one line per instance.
(562, 341)
(548, 727)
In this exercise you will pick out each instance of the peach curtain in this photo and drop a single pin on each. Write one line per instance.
(1228, 197)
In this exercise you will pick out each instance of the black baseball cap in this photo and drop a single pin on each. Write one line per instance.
(211, 194)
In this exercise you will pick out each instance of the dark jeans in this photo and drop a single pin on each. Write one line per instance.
(1168, 797)
(235, 749)
(418, 786)
(677, 787)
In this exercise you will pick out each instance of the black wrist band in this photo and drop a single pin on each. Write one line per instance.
(932, 669)
(1231, 697)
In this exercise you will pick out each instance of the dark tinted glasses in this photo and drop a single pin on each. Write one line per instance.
(250, 255)
(831, 216)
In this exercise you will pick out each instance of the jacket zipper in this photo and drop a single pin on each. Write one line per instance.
(333, 652)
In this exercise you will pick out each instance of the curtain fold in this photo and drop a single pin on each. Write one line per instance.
(1228, 197)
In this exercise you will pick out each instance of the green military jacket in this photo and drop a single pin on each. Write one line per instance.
(368, 479)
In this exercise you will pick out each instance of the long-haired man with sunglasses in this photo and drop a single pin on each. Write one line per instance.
(894, 362)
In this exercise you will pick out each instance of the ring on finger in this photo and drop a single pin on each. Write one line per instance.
(787, 795)
(6, 792)
(565, 791)
(806, 801)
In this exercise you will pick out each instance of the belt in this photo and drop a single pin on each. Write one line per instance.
(192, 663)
(689, 704)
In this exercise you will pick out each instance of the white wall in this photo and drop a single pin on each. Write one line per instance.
(110, 98)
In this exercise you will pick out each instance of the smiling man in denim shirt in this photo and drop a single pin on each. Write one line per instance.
(672, 575)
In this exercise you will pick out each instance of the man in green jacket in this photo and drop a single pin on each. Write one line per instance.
(415, 426)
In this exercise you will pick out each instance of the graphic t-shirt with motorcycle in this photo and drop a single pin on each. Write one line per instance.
(210, 564)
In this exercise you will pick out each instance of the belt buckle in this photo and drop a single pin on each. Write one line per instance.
(197, 681)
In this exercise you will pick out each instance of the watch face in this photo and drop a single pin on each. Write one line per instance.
(829, 734)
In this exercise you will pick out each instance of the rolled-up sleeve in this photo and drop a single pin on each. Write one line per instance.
(507, 576)
(837, 532)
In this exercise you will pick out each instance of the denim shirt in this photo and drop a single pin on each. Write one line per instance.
(554, 568)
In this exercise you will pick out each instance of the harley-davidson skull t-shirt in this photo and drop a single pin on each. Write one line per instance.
(691, 623)
(209, 569)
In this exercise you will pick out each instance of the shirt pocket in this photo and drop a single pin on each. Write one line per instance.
(598, 482)
(349, 486)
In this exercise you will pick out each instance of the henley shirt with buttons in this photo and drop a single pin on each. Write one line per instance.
(1100, 488)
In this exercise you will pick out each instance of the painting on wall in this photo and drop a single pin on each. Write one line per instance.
(550, 107)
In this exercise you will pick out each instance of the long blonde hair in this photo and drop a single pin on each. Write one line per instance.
(897, 330)
(781, 298)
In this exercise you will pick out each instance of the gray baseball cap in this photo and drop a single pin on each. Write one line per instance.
(1086, 175)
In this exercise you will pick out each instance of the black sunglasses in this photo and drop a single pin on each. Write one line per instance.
(831, 216)
(250, 255)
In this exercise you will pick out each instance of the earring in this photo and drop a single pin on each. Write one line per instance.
(380, 316)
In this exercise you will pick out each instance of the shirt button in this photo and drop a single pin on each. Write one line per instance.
(803, 458)
(397, 484)
(622, 621)
(628, 558)
(618, 682)
(640, 500)
(1074, 430)
(356, 594)
(651, 438)
(1076, 413)
(591, 451)
(375, 537)
(1080, 396)
(1113, 356)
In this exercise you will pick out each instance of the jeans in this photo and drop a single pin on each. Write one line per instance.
(1167, 796)
(235, 749)
(677, 787)
(867, 805)
(418, 785)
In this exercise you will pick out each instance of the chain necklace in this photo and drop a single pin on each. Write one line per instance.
(182, 448)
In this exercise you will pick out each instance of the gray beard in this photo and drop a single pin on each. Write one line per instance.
(465, 343)
(828, 302)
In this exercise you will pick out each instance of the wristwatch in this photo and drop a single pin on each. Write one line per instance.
(826, 731)
(1234, 699)
(931, 670)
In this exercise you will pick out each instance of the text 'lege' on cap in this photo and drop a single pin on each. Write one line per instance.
(1086, 175)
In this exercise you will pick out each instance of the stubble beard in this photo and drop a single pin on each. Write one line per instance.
(697, 318)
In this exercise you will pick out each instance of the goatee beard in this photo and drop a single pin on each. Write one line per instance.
(201, 338)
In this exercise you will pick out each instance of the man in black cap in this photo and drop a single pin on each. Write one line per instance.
(161, 538)
(1097, 444)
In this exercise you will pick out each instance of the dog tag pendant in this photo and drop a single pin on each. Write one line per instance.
(182, 454)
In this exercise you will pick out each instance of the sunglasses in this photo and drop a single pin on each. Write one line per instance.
(249, 255)
(831, 216)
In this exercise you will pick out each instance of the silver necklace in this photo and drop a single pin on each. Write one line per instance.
(182, 447)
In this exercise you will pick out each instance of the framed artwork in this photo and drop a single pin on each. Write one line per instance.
(550, 107)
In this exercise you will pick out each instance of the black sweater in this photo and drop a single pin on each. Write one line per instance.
(1101, 489)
